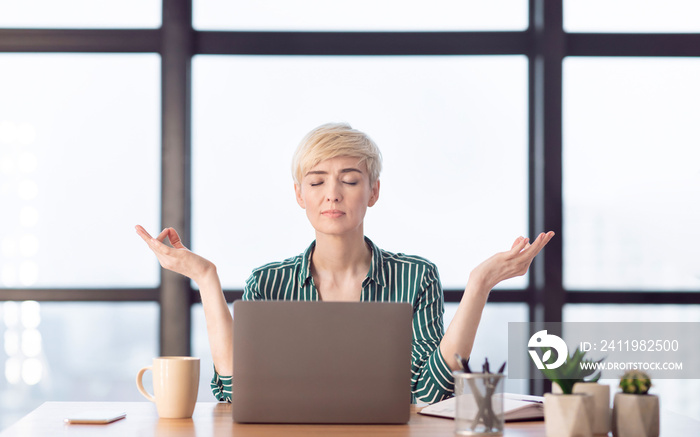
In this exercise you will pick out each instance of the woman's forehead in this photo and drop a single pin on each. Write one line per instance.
(339, 163)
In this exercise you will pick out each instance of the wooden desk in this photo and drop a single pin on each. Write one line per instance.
(214, 419)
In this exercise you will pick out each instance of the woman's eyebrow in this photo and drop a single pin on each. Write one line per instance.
(323, 172)
(315, 172)
(350, 170)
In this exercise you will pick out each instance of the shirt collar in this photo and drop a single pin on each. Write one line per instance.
(376, 268)
(305, 271)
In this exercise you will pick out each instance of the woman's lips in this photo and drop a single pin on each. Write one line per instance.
(332, 213)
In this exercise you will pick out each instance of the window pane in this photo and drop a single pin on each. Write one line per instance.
(492, 338)
(631, 179)
(73, 352)
(651, 16)
(452, 130)
(365, 15)
(678, 395)
(79, 167)
(80, 14)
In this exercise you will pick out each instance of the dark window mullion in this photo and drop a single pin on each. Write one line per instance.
(81, 294)
(176, 51)
(80, 40)
(362, 43)
(632, 297)
(614, 44)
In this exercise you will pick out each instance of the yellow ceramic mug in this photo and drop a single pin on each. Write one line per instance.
(175, 384)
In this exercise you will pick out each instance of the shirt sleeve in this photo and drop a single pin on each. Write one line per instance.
(251, 290)
(222, 387)
(431, 378)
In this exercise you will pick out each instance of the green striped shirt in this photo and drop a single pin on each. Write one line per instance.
(392, 277)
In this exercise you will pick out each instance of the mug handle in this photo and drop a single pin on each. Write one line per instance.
(139, 383)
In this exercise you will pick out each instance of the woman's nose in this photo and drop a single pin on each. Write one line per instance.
(333, 194)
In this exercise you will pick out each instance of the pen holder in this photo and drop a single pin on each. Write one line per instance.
(479, 398)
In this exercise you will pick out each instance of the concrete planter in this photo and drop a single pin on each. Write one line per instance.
(601, 404)
(635, 415)
(568, 415)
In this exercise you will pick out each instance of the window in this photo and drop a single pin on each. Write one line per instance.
(80, 14)
(80, 157)
(671, 16)
(364, 15)
(631, 177)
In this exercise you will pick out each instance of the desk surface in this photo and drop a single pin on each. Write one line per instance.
(214, 419)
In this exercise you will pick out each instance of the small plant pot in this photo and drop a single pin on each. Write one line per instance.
(601, 404)
(635, 415)
(568, 415)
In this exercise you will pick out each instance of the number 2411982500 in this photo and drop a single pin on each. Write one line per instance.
(639, 345)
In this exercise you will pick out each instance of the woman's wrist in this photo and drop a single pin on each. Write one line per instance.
(206, 275)
(478, 286)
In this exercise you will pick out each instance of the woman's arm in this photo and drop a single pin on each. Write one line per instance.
(219, 321)
(460, 335)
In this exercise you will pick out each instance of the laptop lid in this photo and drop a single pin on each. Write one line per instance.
(321, 362)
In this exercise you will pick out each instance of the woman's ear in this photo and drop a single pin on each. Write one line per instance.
(300, 199)
(374, 196)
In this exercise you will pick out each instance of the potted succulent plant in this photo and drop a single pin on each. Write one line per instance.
(600, 422)
(635, 411)
(569, 414)
(601, 404)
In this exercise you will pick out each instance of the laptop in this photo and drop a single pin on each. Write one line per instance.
(322, 362)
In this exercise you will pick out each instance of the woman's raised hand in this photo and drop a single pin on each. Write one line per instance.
(176, 258)
(512, 263)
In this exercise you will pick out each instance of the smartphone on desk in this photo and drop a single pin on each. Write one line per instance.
(95, 417)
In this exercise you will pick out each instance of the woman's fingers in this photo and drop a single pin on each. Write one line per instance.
(158, 246)
(169, 233)
(538, 244)
(519, 244)
(516, 262)
(522, 245)
(163, 235)
(516, 242)
(174, 238)
(147, 237)
(160, 249)
(176, 258)
(543, 239)
(143, 233)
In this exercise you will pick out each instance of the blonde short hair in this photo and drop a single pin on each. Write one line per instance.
(332, 140)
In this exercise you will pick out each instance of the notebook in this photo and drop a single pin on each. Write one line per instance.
(321, 362)
(516, 408)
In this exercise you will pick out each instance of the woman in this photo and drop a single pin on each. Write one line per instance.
(336, 178)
